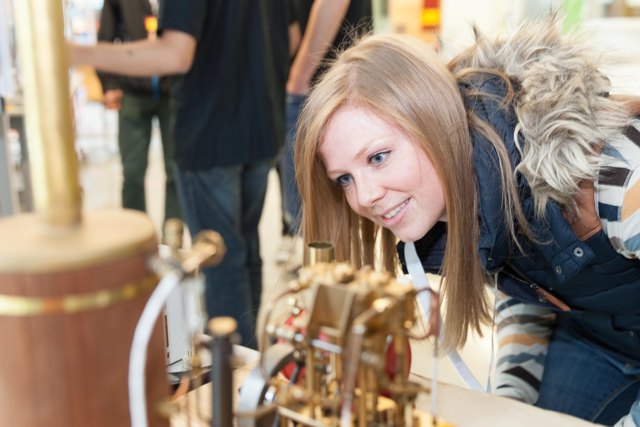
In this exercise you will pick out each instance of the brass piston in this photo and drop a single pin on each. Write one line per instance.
(317, 252)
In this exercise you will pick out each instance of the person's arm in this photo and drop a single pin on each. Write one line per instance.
(618, 197)
(325, 19)
(171, 53)
(523, 332)
(626, 233)
(294, 28)
(295, 37)
(628, 227)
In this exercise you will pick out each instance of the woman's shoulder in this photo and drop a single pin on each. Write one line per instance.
(489, 96)
(483, 86)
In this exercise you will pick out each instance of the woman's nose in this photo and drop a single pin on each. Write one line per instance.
(369, 192)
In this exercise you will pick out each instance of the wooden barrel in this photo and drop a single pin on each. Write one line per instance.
(69, 303)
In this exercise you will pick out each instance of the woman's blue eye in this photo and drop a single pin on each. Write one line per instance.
(379, 158)
(344, 180)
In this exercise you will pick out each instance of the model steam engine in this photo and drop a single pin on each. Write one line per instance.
(342, 357)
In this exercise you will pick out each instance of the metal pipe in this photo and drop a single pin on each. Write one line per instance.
(44, 66)
(222, 329)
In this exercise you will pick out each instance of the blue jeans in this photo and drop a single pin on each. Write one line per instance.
(584, 381)
(290, 193)
(229, 200)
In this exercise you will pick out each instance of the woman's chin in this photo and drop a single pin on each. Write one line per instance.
(408, 237)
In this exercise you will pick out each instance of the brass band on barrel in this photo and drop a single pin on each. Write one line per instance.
(13, 305)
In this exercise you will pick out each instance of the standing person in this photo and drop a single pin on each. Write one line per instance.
(229, 124)
(510, 165)
(325, 26)
(138, 101)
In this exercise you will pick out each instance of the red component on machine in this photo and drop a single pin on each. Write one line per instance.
(391, 357)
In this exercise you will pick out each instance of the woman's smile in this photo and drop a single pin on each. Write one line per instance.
(395, 211)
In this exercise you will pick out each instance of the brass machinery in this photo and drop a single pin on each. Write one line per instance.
(342, 358)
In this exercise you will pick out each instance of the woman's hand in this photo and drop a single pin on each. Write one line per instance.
(632, 102)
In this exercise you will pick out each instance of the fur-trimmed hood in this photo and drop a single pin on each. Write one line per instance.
(561, 100)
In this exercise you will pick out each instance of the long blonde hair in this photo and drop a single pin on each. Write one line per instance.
(403, 81)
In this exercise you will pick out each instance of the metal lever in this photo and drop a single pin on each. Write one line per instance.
(207, 248)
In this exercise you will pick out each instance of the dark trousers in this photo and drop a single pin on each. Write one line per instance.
(134, 137)
(586, 382)
(229, 200)
(290, 193)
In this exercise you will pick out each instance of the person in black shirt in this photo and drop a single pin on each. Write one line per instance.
(138, 101)
(229, 125)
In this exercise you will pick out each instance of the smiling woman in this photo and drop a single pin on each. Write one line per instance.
(386, 177)
(490, 166)
(382, 143)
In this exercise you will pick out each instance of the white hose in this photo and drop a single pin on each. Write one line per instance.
(138, 354)
(419, 278)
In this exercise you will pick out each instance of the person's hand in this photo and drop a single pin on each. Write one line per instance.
(631, 102)
(113, 99)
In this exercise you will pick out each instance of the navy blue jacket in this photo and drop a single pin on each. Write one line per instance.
(601, 287)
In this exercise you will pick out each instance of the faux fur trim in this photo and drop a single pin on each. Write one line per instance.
(561, 102)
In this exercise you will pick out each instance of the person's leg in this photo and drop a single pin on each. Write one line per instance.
(283, 252)
(212, 200)
(278, 166)
(166, 118)
(581, 380)
(134, 135)
(254, 189)
(290, 193)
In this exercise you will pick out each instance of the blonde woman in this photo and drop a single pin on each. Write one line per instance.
(512, 163)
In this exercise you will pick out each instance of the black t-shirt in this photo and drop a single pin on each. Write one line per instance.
(230, 105)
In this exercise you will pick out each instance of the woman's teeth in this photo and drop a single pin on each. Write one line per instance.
(395, 211)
